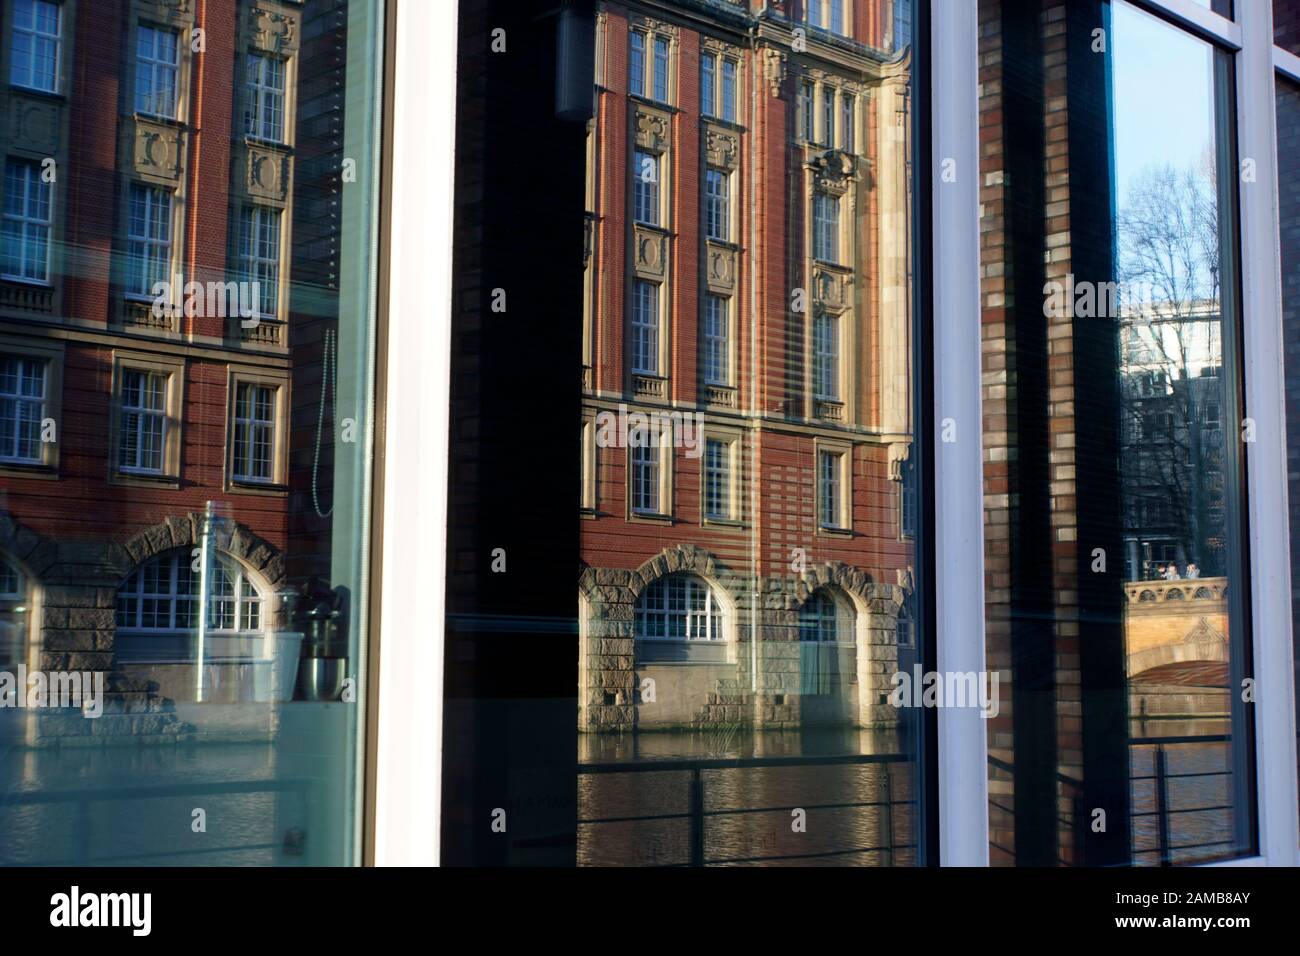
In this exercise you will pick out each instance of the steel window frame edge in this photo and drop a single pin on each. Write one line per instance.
(959, 464)
(1266, 457)
(406, 759)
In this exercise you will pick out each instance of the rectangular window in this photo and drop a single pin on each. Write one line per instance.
(836, 16)
(815, 13)
(22, 409)
(718, 503)
(253, 455)
(157, 66)
(806, 112)
(826, 227)
(717, 205)
(708, 84)
(25, 240)
(636, 64)
(830, 489)
(847, 105)
(149, 239)
(729, 90)
(259, 256)
(645, 188)
(826, 357)
(661, 69)
(142, 436)
(717, 341)
(35, 52)
(645, 328)
(645, 478)
(264, 87)
(828, 116)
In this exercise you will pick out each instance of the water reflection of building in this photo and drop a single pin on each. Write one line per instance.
(145, 434)
(1172, 439)
(747, 261)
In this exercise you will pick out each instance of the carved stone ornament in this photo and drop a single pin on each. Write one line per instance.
(720, 268)
(721, 149)
(651, 253)
(833, 171)
(272, 31)
(651, 130)
(774, 70)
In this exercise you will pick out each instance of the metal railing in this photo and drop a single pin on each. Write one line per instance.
(1077, 822)
(698, 816)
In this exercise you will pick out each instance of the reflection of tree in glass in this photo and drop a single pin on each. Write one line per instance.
(1171, 370)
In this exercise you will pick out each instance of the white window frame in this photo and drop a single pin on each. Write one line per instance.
(154, 252)
(262, 95)
(134, 417)
(28, 223)
(723, 376)
(654, 71)
(652, 326)
(251, 427)
(647, 194)
(149, 69)
(730, 443)
(837, 519)
(827, 229)
(35, 37)
(259, 265)
(719, 202)
(20, 398)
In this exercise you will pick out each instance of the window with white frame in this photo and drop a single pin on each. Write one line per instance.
(678, 607)
(826, 227)
(264, 87)
(160, 603)
(34, 54)
(149, 239)
(848, 105)
(719, 472)
(645, 328)
(25, 240)
(254, 433)
(830, 489)
(717, 204)
(826, 14)
(716, 333)
(718, 86)
(826, 356)
(645, 459)
(649, 60)
(157, 69)
(645, 187)
(142, 422)
(259, 256)
(23, 397)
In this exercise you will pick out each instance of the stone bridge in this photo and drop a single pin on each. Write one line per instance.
(1175, 622)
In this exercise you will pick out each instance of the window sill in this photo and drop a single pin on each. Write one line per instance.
(33, 470)
(834, 532)
(732, 523)
(266, 488)
(649, 517)
(145, 480)
(37, 91)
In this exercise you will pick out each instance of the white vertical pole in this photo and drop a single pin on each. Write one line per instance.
(959, 478)
(409, 734)
(1266, 456)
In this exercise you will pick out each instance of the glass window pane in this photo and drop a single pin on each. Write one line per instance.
(1113, 472)
(187, 390)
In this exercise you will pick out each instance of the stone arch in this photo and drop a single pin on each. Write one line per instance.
(228, 537)
(33, 553)
(1202, 643)
(607, 690)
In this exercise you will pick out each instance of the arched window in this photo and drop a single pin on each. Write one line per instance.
(679, 607)
(820, 619)
(15, 614)
(158, 606)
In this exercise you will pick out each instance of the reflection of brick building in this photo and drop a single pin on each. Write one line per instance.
(170, 129)
(748, 260)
